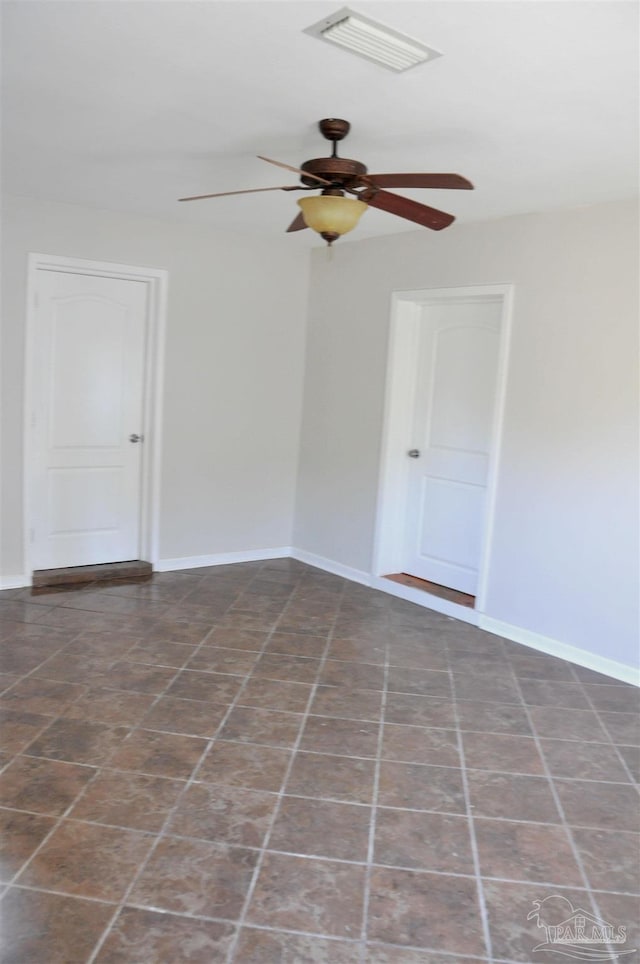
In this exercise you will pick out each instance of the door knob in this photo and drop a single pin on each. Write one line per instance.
(136, 438)
(414, 453)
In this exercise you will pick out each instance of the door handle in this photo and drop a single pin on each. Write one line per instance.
(136, 438)
(414, 453)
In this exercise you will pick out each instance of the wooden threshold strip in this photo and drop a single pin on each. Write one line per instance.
(443, 592)
(77, 575)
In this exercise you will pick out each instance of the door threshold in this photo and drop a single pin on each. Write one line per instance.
(104, 572)
(443, 592)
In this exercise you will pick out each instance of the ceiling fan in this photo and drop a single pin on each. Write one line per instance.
(332, 214)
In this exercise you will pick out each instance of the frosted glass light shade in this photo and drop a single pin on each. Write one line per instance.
(331, 215)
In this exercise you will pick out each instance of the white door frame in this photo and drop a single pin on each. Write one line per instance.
(156, 280)
(406, 309)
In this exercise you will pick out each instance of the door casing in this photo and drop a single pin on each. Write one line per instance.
(156, 280)
(406, 308)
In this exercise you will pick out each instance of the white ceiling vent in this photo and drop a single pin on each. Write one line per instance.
(372, 40)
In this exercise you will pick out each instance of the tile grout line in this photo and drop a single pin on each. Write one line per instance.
(374, 809)
(301, 796)
(274, 816)
(278, 930)
(596, 712)
(285, 779)
(61, 817)
(269, 929)
(125, 657)
(592, 891)
(210, 742)
(161, 833)
(484, 913)
(303, 856)
(56, 652)
(556, 797)
(98, 769)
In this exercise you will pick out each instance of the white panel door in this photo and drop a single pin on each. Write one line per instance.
(90, 335)
(452, 427)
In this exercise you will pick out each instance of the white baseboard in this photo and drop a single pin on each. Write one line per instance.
(573, 654)
(15, 582)
(328, 565)
(425, 599)
(222, 559)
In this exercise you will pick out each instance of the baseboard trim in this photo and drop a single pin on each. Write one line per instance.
(328, 565)
(425, 599)
(222, 559)
(554, 647)
(15, 582)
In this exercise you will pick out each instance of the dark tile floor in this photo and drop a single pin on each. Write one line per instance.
(265, 763)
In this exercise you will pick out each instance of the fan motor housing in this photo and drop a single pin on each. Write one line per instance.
(338, 170)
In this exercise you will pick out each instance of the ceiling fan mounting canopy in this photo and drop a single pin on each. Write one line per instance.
(334, 176)
(334, 128)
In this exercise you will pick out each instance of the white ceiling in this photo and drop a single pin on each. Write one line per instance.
(130, 105)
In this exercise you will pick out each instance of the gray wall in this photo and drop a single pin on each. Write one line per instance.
(565, 551)
(233, 381)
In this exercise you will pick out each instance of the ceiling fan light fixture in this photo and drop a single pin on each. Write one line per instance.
(372, 40)
(331, 216)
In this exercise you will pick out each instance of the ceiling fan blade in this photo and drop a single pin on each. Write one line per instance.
(251, 190)
(296, 170)
(404, 207)
(298, 224)
(454, 181)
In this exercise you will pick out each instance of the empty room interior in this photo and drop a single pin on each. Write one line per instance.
(319, 558)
